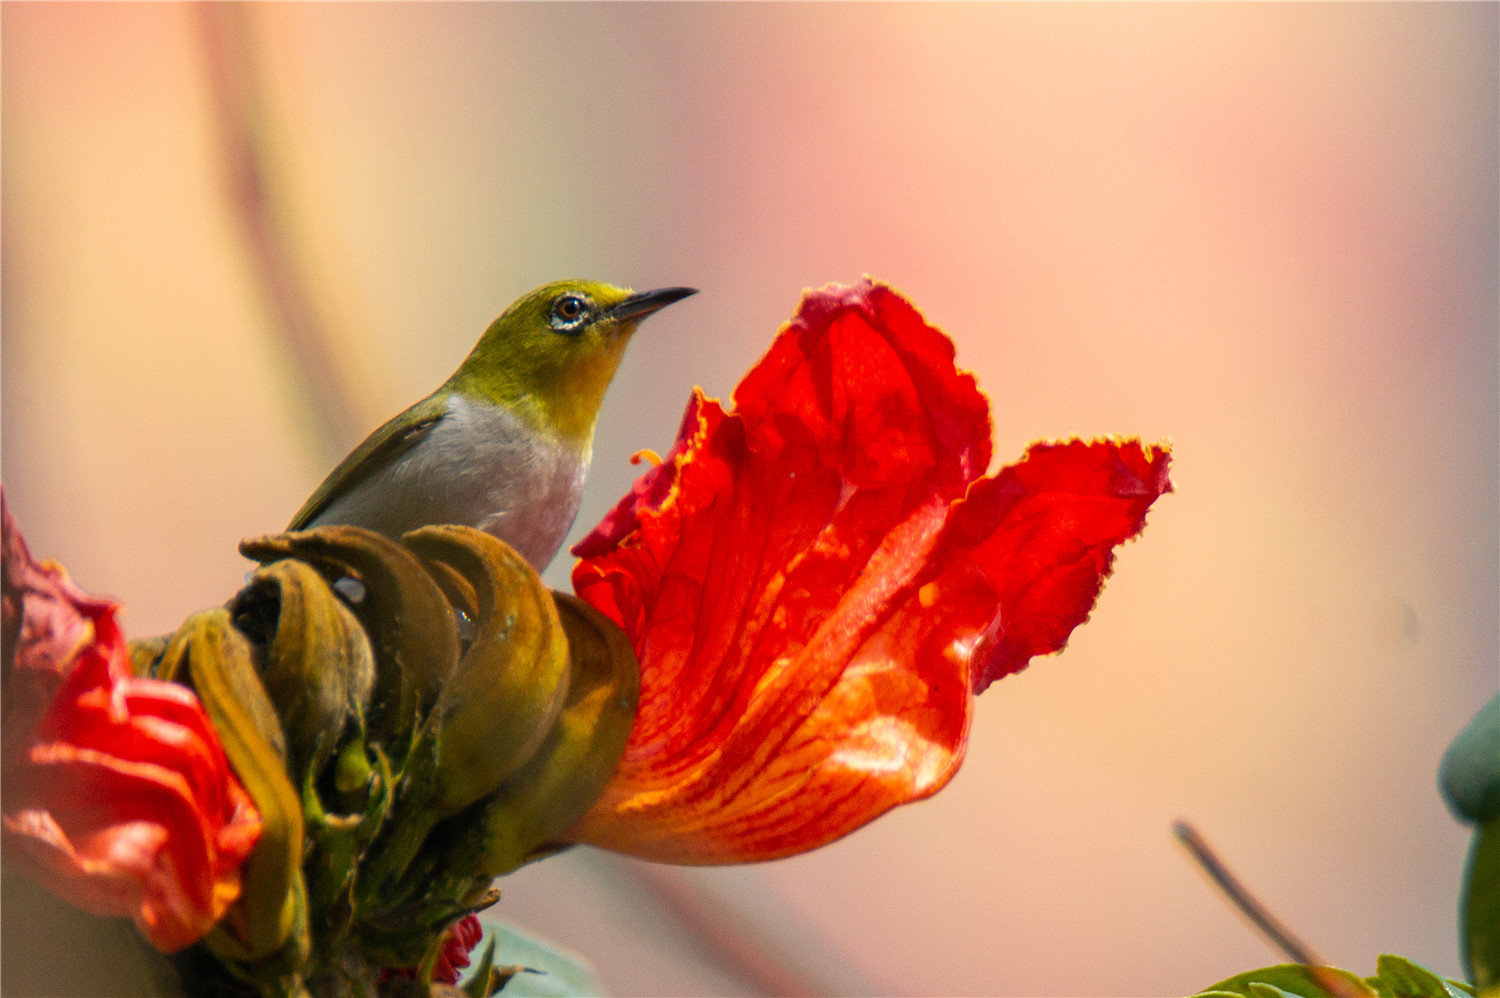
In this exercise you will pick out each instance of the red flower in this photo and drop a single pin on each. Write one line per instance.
(816, 581)
(117, 794)
(458, 942)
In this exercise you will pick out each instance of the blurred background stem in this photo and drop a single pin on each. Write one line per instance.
(243, 136)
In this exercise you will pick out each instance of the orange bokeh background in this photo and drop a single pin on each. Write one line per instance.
(1268, 233)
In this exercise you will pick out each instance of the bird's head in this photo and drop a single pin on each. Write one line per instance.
(550, 356)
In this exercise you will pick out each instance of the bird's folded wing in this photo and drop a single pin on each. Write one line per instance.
(380, 448)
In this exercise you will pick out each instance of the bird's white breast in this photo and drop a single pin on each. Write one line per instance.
(481, 466)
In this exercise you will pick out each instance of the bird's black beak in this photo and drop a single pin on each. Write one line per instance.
(646, 302)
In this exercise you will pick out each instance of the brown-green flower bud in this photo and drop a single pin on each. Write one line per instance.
(528, 813)
(510, 684)
(318, 668)
(413, 630)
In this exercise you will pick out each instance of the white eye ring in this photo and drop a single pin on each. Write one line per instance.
(569, 312)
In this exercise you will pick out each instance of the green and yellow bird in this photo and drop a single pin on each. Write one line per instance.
(504, 445)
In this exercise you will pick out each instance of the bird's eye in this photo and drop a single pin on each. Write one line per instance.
(568, 312)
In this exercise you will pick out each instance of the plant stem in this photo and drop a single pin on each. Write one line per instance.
(1275, 931)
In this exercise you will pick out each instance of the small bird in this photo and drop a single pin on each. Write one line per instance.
(504, 445)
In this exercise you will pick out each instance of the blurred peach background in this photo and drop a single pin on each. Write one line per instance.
(1268, 233)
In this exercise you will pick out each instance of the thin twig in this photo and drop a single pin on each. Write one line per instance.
(239, 117)
(1275, 931)
(1270, 926)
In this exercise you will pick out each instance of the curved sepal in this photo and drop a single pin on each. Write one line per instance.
(215, 659)
(318, 668)
(510, 684)
(557, 787)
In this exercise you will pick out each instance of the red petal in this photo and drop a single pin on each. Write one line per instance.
(460, 939)
(1042, 536)
(58, 618)
(125, 838)
(47, 622)
(649, 491)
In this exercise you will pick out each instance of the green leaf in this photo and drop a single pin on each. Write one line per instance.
(1292, 979)
(1398, 977)
(544, 970)
(1395, 977)
(1469, 776)
(479, 983)
(1269, 991)
(1479, 908)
